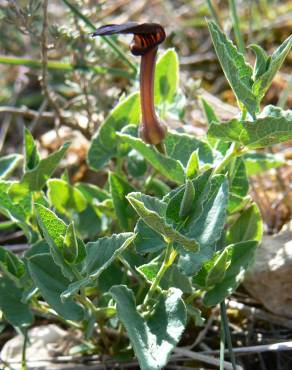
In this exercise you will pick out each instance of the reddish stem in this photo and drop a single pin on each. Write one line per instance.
(152, 129)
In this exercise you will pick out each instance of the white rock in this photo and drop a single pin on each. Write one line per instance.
(38, 352)
(270, 278)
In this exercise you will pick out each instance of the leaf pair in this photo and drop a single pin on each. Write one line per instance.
(248, 85)
(272, 126)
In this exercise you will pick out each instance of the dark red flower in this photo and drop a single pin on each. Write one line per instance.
(147, 37)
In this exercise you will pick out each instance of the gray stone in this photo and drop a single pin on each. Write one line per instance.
(42, 340)
(270, 278)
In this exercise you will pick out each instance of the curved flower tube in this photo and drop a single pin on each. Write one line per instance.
(147, 37)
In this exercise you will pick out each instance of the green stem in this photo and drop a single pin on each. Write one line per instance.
(107, 40)
(235, 24)
(231, 153)
(23, 355)
(54, 64)
(83, 298)
(243, 114)
(193, 296)
(149, 180)
(224, 321)
(222, 344)
(169, 257)
(213, 12)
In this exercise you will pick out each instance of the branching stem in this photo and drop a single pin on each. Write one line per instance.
(231, 153)
(169, 258)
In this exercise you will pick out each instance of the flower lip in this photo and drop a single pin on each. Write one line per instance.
(147, 36)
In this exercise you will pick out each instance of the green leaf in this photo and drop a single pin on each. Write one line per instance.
(238, 178)
(168, 167)
(92, 192)
(74, 288)
(31, 154)
(53, 228)
(51, 282)
(166, 77)
(103, 252)
(40, 247)
(261, 63)
(174, 199)
(256, 163)
(241, 256)
(193, 165)
(54, 231)
(136, 164)
(99, 257)
(238, 185)
(196, 315)
(8, 164)
(15, 312)
(73, 249)
(187, 200)
(10, 263)
(217, 272)
(249, 226)
(65, 197)
(180, 146)
(119, 189)
(35, 179)
(206, 227)
(212, 117)
(263, 82)
(237, 203)
(209, 113)
(13, 211)
(152, 211)
(147, 240)
(273, 126)
(104, 143)
(212, 270)
(89, 223)
(153, 338)
(236, 70)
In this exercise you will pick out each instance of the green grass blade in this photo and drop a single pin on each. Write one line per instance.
(235, 24)
(55, 64)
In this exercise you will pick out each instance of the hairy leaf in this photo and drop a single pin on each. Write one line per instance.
(256, 163)
(15, 312)
(263, 82)
(273, 126)
(166, 77)
(119, 188)
(249, 226)
(8, 164)
(168, 167)
(240, 256)
(51, 282)
(103, 252)
(104, 143)
(236, 70)
(152, 211)
(31, 154)
(153, 338)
